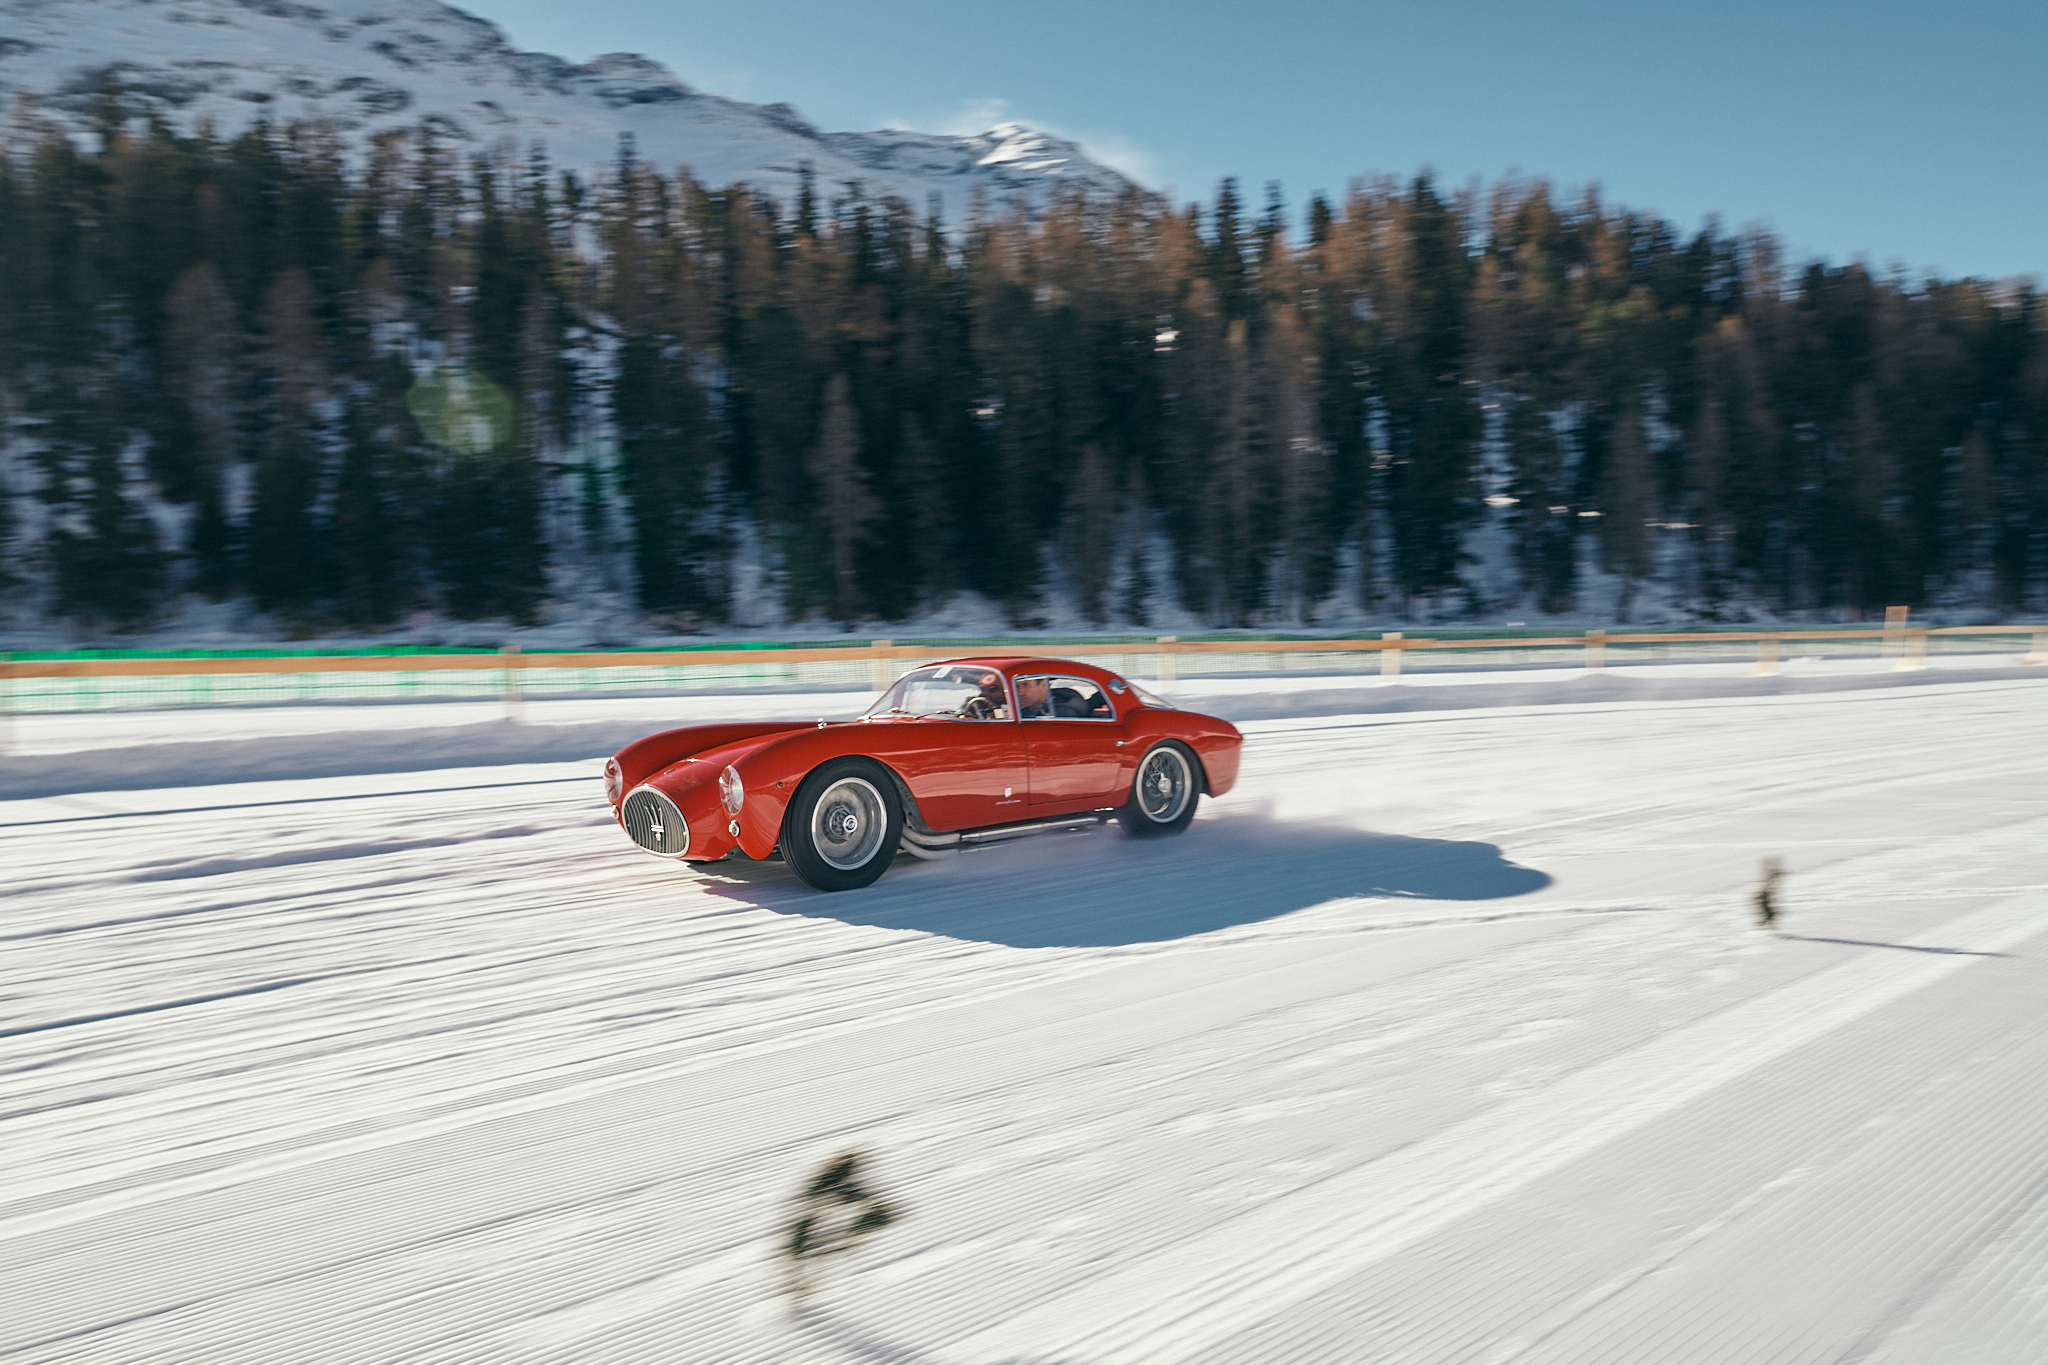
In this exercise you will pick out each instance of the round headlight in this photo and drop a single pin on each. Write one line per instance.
(614, 781)
(731, 790)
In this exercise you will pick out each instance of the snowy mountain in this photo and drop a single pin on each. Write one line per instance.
(366, 66)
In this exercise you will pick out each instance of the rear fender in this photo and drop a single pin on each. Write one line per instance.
(1220, 754)
(1215, 743)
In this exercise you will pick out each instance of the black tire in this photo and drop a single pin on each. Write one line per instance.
(1164, 792)
(842, 828)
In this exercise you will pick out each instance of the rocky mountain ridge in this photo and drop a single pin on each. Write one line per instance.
(366, 66)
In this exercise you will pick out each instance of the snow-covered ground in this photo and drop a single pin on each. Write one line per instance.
(1445, 1037)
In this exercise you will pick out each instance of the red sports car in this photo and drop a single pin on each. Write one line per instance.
(954, 754)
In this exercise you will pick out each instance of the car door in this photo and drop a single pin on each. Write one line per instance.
(964, 763)
(1070, 742)
(970, 773)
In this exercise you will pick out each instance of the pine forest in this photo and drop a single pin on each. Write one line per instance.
(340, 385)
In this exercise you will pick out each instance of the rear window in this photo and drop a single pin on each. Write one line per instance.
(1146, 698)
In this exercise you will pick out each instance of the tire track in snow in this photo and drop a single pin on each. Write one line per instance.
(1174, 1304)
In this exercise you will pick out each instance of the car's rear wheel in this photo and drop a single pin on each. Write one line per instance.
(1163, 792)
(842, 828)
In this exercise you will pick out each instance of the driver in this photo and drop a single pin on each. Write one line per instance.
(989, 704)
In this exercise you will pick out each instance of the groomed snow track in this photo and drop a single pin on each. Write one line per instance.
(1445, 1038)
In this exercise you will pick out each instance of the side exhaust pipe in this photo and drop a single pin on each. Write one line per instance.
(1001, 832)
(932, 847)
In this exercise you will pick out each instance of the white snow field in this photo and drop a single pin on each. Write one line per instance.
(1445, 1038)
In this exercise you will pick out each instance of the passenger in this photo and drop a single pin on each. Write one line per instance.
(1034, 701)
(1037, 699)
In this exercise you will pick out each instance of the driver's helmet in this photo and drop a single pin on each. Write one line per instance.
(991, 685)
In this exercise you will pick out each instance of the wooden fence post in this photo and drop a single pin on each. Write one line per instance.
(1894, 623)
(1596, 649)
(6, 704)
(509, 681)
(884, 671)
(1766, 657)
(2040, 652)
(1390, 659)
(1915, 655)
(1167, 673)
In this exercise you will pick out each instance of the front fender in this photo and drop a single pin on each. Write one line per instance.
(643, 758)
(772, 773)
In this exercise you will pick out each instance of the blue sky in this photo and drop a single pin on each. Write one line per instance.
(1908, 133)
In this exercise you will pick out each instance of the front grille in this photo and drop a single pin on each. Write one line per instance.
(655, 823)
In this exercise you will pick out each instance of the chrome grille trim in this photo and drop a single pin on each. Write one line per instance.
(646, 811)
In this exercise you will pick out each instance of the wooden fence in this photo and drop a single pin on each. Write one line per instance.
(502, 673)
(1909, 644)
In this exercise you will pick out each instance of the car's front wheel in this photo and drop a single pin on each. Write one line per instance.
(842, 828)
(1163, 792)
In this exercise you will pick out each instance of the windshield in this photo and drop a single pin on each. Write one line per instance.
(956, 691)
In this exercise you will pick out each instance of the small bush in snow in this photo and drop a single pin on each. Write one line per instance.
(835, 1212)
(1765, 898)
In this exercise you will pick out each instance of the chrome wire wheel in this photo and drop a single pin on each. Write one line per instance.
(848, 823)
(1164, 785)
(841, 829)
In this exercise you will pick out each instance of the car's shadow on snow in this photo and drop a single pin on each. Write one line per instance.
(1100, 887)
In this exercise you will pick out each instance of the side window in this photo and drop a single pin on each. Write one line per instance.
(1051, 697)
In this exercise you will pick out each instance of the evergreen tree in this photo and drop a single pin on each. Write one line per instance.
(847, 509)
(1432, 419)
(342, 388)
(1307, 535)
(196, 442)
(929, 483)
(1626, 504)
(491, 555)
(285, 550)
(372, 537)
(657, 413)
(102, 547)
(1090, 533)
